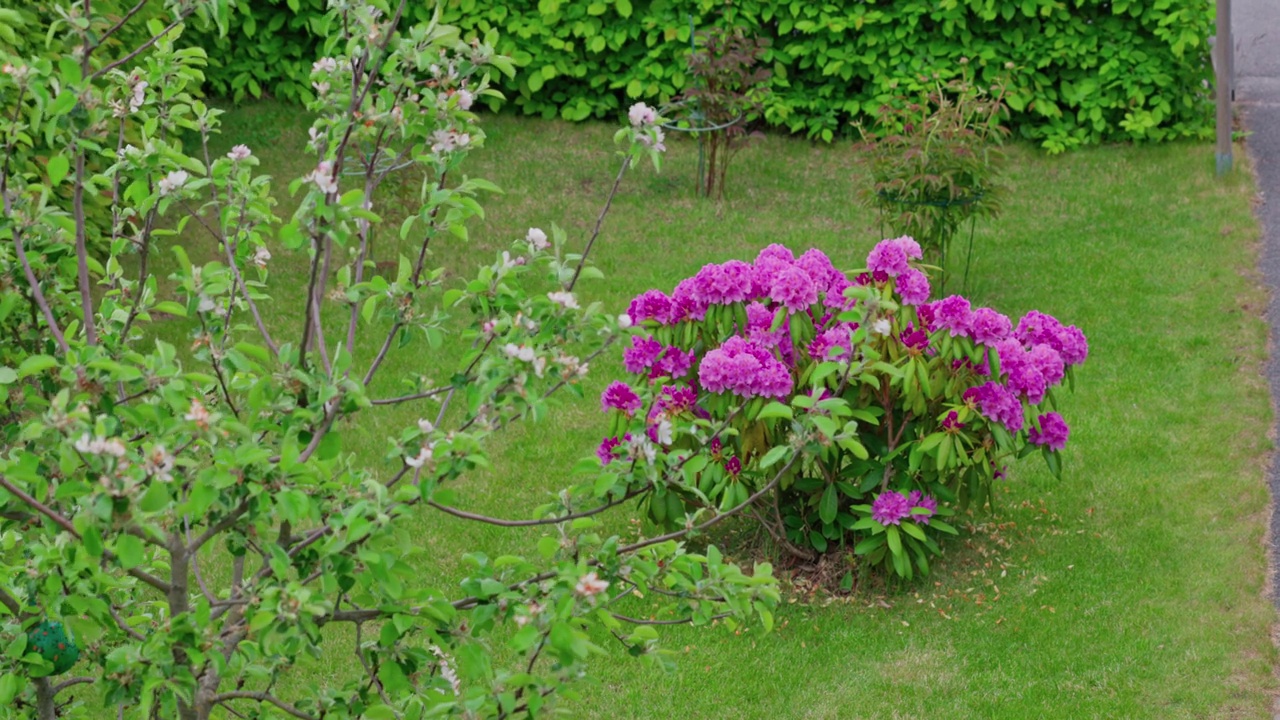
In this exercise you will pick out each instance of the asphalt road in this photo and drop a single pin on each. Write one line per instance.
(1256, 27)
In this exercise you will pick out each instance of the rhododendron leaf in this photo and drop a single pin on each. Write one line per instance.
(945, 449)
(869, 544)
(931, 441)
(937, 524)
(894, 539)
(913, 530)
(818, 541)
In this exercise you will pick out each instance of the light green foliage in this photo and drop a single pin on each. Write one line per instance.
(196, 513)
(1084, 71)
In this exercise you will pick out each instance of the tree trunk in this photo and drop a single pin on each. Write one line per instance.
(45, 707)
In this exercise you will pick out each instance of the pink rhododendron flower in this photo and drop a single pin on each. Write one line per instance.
(620, 396)
(987, 327)
(794, 289)
(890, 508)
(919, 500)
(952, 314)
(888, 257)
(913, 287)
(651, 305)
(1053, 431)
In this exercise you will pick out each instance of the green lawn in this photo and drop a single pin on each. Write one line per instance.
(1133, 588)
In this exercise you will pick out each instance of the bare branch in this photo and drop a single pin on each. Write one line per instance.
(373, 676)
(125, 626)
(114, 28)
(70, 682)
(30, 274)
(681, 621)
(543, 521)
(144, 46)
(213, 530)
(608, 203)
(10, 603)
(409, 398)
(82, 253)
(262, 697)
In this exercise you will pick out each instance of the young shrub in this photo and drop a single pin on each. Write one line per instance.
(901, 409)
(935, 163)
(726, 93)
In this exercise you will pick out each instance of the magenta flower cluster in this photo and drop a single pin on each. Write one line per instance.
(745, 369)
(1053, 431)
(892, 507)
(776, 277)
(620, 396)
(648, 356)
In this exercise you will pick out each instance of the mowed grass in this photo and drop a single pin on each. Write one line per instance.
(1132, 588)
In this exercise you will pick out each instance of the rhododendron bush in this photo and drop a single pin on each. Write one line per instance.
(902, 409)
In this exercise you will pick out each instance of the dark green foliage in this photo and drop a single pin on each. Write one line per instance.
(1084, 71)
(269, 48)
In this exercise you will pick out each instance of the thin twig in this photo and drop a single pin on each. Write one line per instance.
(261, 697)
(112, 31)
(144, 46)
(682, 621)
(608, 203)
(543, 521)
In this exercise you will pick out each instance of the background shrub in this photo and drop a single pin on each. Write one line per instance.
(1082, 71)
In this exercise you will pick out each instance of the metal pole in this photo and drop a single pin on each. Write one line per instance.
(1223, 49)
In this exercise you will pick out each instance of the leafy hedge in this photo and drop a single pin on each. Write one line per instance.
(1081, 71)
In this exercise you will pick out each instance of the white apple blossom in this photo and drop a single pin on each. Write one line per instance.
(240, 152)
(590, 585)
(881, 327)
(323, 177)
(642, 115)
(663, 431)
(139, 95)
(465, 99)
(261, 256)
(426, 425)
(537, 239)
(422, 458)
(447, 672)
(171, 182)
(159, 464)
(564, 299)
(624, 321)
(324, 64)
(198, 414)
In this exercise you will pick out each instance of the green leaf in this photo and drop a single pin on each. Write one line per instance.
(130, 551)
(829, 505)
(10, 686)
(623, 7)
(35, 364)
(57, 168)
(895, 540)
(8, 375)
(172, 308)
